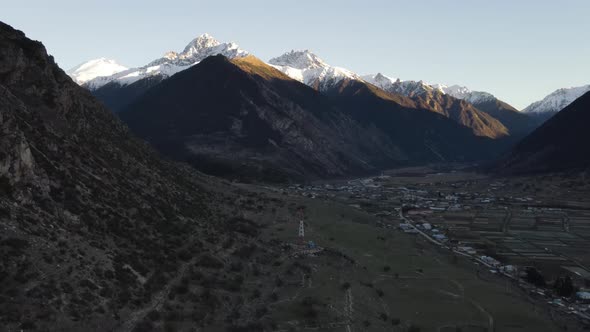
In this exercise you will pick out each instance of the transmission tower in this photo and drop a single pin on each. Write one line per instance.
(301, 233)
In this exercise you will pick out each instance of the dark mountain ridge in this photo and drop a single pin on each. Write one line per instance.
(424, 134)
(115, 97)
(96, 231)
(485, 122)
(518, 124)
(245, 118)
(462, 112)
(559, 144)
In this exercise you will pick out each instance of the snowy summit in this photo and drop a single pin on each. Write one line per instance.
(94, 68)
(557, 100)
(172, 62)
(462, 92)
(397, 86)
(411, 88)
(308, 68)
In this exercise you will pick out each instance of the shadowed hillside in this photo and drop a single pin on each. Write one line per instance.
(559, 144)
(245, 119)
(96, 231)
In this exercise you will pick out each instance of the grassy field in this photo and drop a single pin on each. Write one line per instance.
(390, 281)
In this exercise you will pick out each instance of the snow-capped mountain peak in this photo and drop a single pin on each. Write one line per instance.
(405, 88)
(203, 41)
(557, 100)
(456, 91)
(89, 70)
(173, 62)
(411, 88)
(308, 68)
(462, 92)
(380, 80)
(198, 49)
(304, 59)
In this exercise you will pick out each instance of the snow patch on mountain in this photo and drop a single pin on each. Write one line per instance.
(308, 68)
(405, 88)
(411, 88)
(557, 100)
(173, 62)
(381, 81)
(462, 92)
(89, 70)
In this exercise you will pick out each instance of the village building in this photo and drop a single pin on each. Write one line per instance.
(580, 276)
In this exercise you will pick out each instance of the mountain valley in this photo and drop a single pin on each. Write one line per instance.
(211, 190)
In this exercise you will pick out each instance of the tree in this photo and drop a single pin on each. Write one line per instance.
(564, 286)
(535, 277)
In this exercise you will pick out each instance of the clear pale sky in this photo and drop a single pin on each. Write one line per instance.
(519, 50)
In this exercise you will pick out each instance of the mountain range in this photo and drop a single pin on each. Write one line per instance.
(403, 118)
(118, 90)
(308, 68)
(264, 119)
(442, 98)
(243, 118)
(457, 103)
(170, 63)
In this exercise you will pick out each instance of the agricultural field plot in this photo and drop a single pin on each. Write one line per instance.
(579, 223)
(558, 246)
(515, 250)
(489, 220)
(450, 221)
(522, 222)
(480, 221)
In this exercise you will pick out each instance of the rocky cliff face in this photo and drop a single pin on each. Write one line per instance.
(96, 231)
(17, 163)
